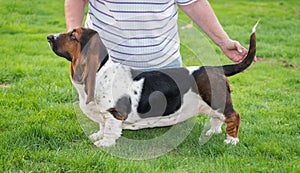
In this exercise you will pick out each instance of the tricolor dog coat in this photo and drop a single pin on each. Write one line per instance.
(119, 97)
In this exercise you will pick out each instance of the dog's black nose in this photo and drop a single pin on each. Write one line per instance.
(50, 37)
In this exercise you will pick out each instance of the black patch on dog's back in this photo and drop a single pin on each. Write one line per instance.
(162, 91)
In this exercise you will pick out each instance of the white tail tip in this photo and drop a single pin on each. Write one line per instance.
(254, 27)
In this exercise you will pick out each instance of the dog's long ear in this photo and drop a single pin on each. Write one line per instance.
(93, 53)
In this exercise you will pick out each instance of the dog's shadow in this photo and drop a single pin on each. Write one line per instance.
(151, 143)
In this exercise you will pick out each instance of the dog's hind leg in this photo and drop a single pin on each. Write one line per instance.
(232, 120)
(214, 89)
(216, 122)
(232, 128)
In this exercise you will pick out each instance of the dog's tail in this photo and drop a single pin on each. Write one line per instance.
(230, 70)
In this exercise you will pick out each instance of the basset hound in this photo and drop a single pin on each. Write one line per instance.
(119, 97)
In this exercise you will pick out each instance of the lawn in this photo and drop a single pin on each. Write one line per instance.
(39, 126)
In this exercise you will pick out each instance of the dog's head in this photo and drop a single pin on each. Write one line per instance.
(85, 50)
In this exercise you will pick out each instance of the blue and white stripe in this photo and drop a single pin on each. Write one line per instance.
(138, 33)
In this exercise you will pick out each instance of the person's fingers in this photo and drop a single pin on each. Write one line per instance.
(238, 47)
(235, 51)
(255, 59)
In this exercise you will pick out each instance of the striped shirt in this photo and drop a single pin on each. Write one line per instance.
(138, 33)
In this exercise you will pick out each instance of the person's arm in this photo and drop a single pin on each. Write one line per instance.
(74, 13)
(203, 15)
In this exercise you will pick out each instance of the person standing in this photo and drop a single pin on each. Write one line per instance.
(143, 34)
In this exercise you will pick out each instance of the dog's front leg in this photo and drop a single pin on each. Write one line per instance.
(98, 135)
(111, 132)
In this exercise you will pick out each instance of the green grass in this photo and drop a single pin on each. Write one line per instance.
(39, 131)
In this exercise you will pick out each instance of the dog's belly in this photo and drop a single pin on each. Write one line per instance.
(192, 106)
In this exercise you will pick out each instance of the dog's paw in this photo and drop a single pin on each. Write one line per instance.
(96, 136)
(213, 131)
(218, 130)
(105, 143)
(231, 140)
(209, 132)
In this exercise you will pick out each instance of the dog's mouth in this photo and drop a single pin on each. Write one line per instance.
(51, 39)
(50, 44)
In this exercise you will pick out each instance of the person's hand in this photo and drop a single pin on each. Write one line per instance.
(234, 51)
